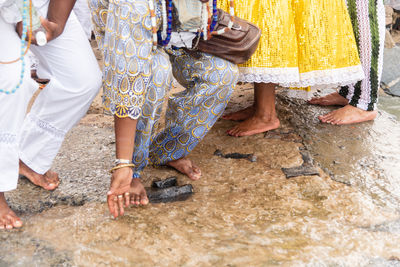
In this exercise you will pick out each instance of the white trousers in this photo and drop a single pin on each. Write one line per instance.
(13, 106)
(82, 12)
(75, 79)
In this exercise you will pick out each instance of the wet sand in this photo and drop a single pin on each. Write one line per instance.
(242, 213)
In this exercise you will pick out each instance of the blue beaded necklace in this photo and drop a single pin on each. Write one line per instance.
(169, 22)
(23, 46)
(215, 16)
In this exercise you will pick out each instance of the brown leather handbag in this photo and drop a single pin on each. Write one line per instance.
(237, 44)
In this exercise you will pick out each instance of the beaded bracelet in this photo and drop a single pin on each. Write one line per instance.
(122, 166)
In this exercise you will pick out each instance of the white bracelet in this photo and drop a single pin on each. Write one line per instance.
(122, 161)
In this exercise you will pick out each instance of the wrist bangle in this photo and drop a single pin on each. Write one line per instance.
(122, 161)
(122, 166)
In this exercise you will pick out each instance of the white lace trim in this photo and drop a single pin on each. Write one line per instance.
(268, 75)
(45, 127)
(290, 77)
(8, 138)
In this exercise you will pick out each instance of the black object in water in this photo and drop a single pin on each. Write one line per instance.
(170, 181)
(249, 157)
(307, 169)
(167, 191)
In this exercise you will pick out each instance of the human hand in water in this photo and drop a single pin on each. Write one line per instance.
(118, 196)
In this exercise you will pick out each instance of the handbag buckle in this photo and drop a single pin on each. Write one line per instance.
(236, 27)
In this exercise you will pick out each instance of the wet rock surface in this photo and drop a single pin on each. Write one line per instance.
(241, 213)
(365, 155)
(391, 71)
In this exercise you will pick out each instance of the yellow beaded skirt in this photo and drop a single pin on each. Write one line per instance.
(304, 43)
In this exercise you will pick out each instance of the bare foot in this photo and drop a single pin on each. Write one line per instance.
(254, 125)
(186, 166)
(8, 219)
(334, 99)
(240, 115)
(48, 181)
(138, 193)
(348, 115)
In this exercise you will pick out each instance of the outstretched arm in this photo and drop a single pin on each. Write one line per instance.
(117, 197)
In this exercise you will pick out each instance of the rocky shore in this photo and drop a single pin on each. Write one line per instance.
(243, 212)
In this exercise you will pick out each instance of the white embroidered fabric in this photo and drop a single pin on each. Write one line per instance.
(8, 138)
(44, 127)
(365, 43)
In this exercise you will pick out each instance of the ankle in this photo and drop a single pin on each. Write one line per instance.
(3, 201)
(266, 116)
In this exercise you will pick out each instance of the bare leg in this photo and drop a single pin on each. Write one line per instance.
(240, 115)
(334, 99)
(186, 166)
(48, 181)
(8, 219)
(264, 117)
(348, 115)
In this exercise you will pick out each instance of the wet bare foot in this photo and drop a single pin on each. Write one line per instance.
(137, 193)
(8, 219)
(348, 115)
(48, 181)
(240, 115)
(254, 125)
(334, 99)
(186, 166)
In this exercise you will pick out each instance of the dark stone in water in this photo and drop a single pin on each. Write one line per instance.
(169, 194)
(300, 171)
(218, 153)
(307, 169)
(249, 157)
(170, 181)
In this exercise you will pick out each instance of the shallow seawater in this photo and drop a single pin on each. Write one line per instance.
(390, 104)
(242, 213)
